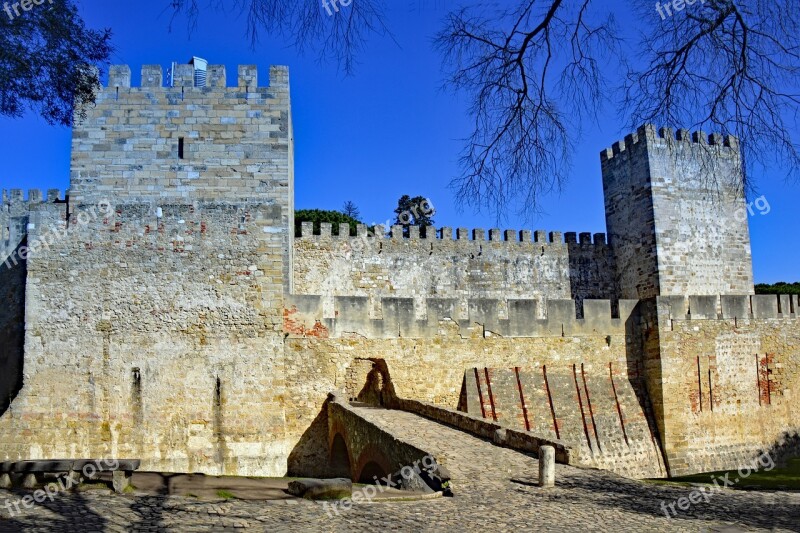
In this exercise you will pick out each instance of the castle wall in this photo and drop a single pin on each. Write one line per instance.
(727, 384)
(676, 214)
(155, 144)
(15, 214)
(509, 265)
(153, 318)
(158, 339)
(427, 358)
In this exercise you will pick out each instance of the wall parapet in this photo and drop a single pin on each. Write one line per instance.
(303, 317)
(119, 77)
(15, 198)
(728, 307)
(670, 137)
(446, 233)
(515, 439)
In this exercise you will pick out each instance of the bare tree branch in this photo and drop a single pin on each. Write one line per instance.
(727, 67)
(331, 30)
(529, 84)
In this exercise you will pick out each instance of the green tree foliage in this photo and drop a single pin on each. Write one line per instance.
(317, 216)
(778, 288)
(47, 61)
(416, 211)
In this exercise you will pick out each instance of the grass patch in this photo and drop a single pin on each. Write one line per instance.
(225, 495)
(785, 478)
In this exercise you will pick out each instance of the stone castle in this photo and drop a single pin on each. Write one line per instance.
(163, 308)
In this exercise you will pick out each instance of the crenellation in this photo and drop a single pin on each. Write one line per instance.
(479, 235)
(344, 230)
(495, 235)
(585, 238)
(119, 76)
(397, 231)
(413, 233)
(217, 77)
(152, 76)
(183, 75)
(700, 137)
(556, 237)
(570, 237)
(414, 318)
(248, 76)
(326, 230)
(525, 236)
(599, 239)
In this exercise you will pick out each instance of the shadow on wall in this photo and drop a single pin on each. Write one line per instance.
(12, 327)
(643, 345)
(785, 448)
(368, 382)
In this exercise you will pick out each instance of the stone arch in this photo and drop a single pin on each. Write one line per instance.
(340, 464)
(368, 381)
(371, 463)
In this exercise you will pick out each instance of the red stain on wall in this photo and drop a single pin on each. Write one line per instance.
(295, 325)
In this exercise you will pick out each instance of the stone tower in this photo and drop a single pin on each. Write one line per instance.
(676, 215)
(154, 301)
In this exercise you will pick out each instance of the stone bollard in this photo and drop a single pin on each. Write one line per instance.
(547, 466)
(5, 481)
(30, 481)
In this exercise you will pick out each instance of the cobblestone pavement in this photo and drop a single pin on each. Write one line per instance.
(494, 487)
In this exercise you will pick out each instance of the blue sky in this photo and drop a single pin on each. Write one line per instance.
(388, 130)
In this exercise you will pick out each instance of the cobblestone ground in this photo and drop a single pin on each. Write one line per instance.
(495, 488)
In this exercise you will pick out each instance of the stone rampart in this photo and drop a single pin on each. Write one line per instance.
(446, 263)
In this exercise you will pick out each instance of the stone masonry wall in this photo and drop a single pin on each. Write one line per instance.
(510, 264)
(154, 144)
(729, 374)
(15, 214)
(153, 318)
(676, 214)
(157, 339)
(427, 359)
(596, 408)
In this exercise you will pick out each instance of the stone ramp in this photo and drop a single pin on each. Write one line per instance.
(596, 408)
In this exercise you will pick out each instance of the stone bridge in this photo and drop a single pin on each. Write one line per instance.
(366, 452)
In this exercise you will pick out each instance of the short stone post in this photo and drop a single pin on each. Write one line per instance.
(5, 481)
(547, 466)
(121, 480)
(29, 481)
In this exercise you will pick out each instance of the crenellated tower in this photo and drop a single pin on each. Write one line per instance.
(676, 214)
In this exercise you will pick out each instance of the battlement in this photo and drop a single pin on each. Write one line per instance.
(445, 234)
(730, 307)
(119, 77)
(35, 196)
(409, 317)
(670, 138)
